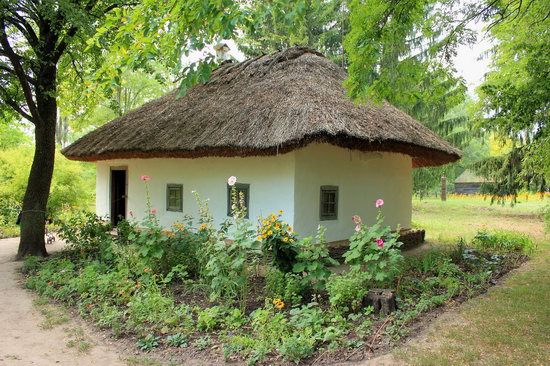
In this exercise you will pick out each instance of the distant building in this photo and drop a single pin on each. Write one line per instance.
(469, 183)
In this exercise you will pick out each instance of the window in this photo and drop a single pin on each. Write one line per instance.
(174, 197)
(241, 188)
(329, 203)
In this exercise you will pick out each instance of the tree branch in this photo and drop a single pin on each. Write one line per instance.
(25, 28)
(19, 72)
(16, 107)
(12, 71)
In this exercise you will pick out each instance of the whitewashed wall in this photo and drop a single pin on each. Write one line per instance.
(361, 177)
(290, 182)
(271, 182)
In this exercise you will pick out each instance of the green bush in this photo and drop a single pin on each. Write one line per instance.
(278, 242)
(346, 291)
(313, 261)
(73, 183)
(503, 242)
(375, 248)
(297, 346)
(211, 318)
(288, 287)
(88, 234)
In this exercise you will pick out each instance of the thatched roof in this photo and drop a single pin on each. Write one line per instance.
(263, 106)
(468, 176)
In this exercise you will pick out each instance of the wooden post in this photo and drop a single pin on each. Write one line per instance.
(443, 188)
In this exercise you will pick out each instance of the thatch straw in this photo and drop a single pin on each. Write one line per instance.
(263, 106)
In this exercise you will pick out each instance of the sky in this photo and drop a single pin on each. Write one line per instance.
(468, 63)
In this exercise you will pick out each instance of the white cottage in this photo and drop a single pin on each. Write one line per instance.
(281, 124)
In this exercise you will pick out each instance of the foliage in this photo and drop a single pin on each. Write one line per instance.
(130, 294)
(177, 340)
(313, 260)
(346, 291)
(503, 242)
(210, 318)
(229, 265)
(278, 239)
(374, 249)
(71, 187)
(148, 343)
(286, 286)
(283, 24)
(514, 102)
(87, 234)
(297, 346)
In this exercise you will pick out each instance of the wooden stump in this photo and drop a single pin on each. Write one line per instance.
(383, 301)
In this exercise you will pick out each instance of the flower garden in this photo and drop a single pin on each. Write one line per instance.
(257, 292)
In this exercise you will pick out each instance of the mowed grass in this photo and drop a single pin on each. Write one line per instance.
(510, 325)
(445, 222)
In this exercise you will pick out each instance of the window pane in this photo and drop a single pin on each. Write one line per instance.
(329, 203)
(174, 197)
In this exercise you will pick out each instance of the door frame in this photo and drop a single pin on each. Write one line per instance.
(118, 168)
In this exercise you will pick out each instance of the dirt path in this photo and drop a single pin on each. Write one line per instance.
(24, 341)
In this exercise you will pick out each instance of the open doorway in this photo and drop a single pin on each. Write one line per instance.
(118, 195)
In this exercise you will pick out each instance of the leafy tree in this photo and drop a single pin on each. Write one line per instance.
(515, 101)
(277, 25)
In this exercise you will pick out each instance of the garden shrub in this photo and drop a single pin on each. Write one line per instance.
(87, 234)
(374, 249)
(149, 309)
(313, 261)
(288, 287)
(211, 318)
(228, 268)
(278, 241)
(503, 242)
(297, 346)
(346, 291)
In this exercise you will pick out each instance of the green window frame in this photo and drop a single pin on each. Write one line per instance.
(245, 189)
(174, 197)
(328, 203)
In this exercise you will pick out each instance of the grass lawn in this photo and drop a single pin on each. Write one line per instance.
(510, 325)
(446, 221)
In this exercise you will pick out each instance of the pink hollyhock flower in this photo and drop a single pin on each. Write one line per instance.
(379, 203)
(380, 243)
(356, 219)
(145, 178)
(154, 211)
(357, 228)
(131, 213)
(232, 180)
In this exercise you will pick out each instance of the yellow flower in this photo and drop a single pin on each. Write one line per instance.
(264, 236)
(259, 238)
(281, 212)
(277, 226)
(202, 227)
(285, 239)
(290, 228)
(279, 304)
(147, 270)
(270, 233)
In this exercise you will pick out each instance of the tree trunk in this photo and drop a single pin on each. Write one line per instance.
(33, 218)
